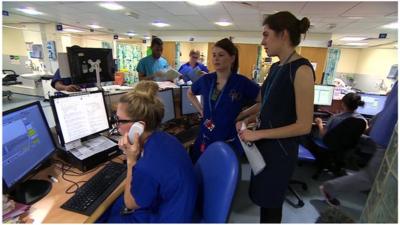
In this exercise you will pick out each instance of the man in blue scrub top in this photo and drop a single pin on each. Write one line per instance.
(153, 66)
(193, 70)
(160, 185)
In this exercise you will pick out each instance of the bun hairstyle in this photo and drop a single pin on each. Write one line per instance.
(147, 87)
(143, 104)
(285, 20)
(352, 101)
(229, 47)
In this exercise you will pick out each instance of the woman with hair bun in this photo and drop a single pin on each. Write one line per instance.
(160, 185)
(285, 113)
(350, 102)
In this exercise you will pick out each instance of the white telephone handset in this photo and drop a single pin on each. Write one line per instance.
(137, 127)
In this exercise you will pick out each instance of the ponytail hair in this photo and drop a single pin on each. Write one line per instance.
(285, 20)
(352, 101)
(232, 50)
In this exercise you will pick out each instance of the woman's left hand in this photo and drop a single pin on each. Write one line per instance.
(248, 135)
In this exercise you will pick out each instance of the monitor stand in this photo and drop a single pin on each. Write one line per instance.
(31, 191)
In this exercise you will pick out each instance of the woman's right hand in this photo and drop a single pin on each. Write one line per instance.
(132, 151)
(239, 125)
(318, 121)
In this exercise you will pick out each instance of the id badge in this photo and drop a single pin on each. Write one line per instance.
(209, 124)
(258, 121)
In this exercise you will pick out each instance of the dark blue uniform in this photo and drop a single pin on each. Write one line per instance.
(191, 73)
(268, 188)
(223, 110)
(57, 77)
(163, 185)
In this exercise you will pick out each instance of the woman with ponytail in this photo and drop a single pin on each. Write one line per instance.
(224, 94)
(285, 113)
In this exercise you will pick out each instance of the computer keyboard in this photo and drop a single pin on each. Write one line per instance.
(88, 197)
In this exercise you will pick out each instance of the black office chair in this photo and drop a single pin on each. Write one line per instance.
(338, 144)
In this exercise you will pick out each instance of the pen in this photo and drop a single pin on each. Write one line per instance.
(55, 180)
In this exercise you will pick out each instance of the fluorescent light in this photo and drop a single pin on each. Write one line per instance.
(353, 38)
(160, 24)
(356, 43)
(20, 28)
(393, 25)
(130, 34)
(72, 30)
(30, 11)
(355, 17)
(202, 2)
(111, 6)
(223, 23)
(94, 26)
(147, 37)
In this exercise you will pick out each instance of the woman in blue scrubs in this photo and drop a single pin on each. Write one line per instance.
(285, 113)
(193, 70)
(224, 93)
(160, 184)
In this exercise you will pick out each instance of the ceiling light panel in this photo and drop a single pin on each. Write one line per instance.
(111, 6)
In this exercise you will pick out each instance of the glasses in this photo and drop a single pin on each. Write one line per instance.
(115, 120)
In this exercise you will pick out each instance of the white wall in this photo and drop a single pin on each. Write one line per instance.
(318, 40)
(376, 62)
(348, 60)
(13, 42)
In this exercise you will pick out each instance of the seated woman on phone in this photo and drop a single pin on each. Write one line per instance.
(151, 195)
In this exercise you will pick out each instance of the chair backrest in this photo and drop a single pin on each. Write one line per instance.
(217, 172)
(345, 135)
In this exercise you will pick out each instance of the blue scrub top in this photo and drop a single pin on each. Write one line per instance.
(163, 185)
(149, 65)
(57, 77)
(223, 112)
(192, 73)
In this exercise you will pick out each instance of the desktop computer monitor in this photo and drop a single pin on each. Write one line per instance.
(27, 144)
(82, 72)
(373, 104)
(79, 116)
(167, 99)
(323, 95)
(186, 105)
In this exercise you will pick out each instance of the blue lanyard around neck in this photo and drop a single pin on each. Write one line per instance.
(213, 86)
(269, 85)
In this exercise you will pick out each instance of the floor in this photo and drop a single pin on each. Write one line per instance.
(243, 210)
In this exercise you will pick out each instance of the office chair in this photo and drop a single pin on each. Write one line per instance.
(338, 144)
(303, 155)
(217, 172)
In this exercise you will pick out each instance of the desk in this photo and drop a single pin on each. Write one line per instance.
(48, 210)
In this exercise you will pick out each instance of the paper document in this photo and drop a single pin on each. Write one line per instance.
(92, 146)
(166, 84)
(254, 156)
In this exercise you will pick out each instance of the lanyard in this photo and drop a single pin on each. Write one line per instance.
(269, 85)
(219, 97)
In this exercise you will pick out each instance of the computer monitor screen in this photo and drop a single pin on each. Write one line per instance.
(373, 104)
(186, 105)
(393, 72)
(82, 71)
(167, 99)
(323, 95)
(27, 142)
(79, 116)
